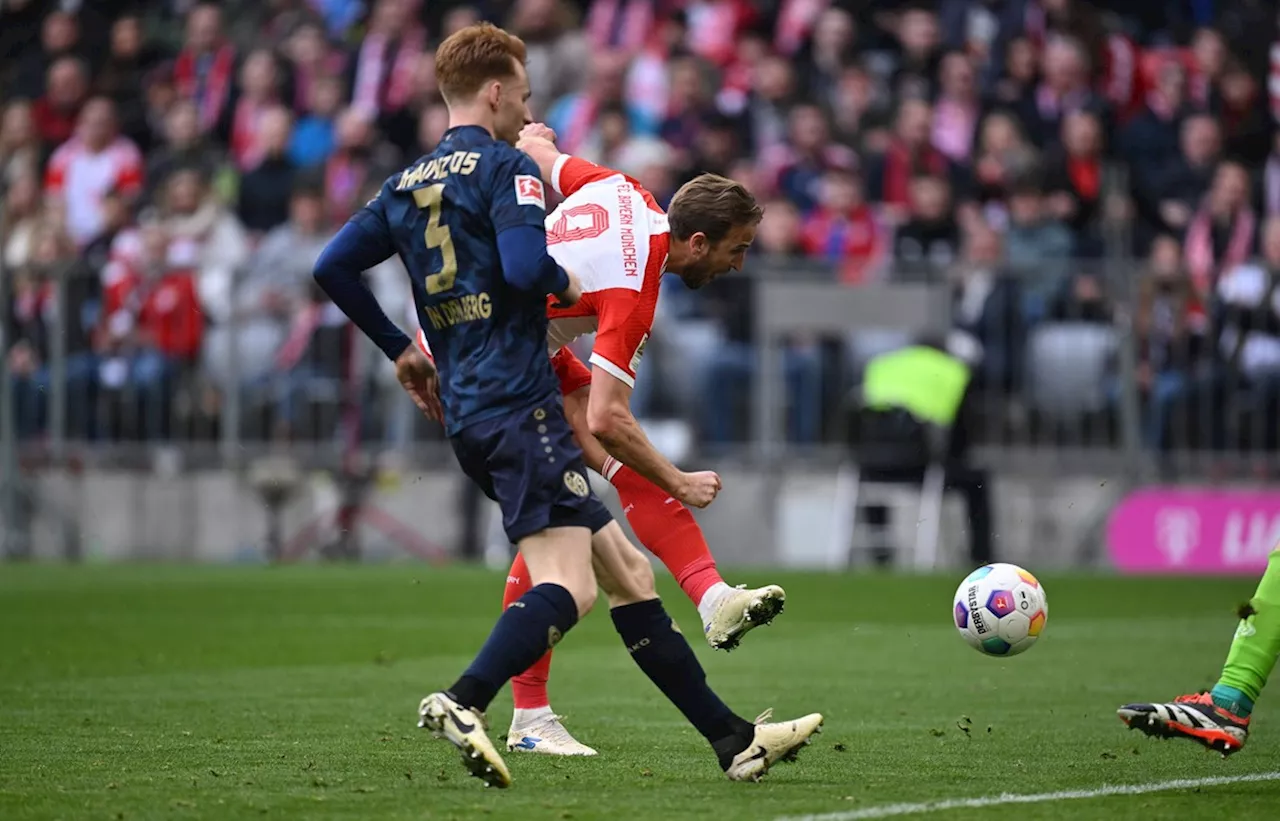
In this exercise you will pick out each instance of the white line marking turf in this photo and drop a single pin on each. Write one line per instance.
(892, 810)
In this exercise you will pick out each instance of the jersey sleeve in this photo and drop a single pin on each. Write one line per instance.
(572, 173)
(364, 242)
(625, 320)
(517, 196)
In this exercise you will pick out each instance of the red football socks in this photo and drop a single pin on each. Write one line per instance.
(666, 528)
(529, 689)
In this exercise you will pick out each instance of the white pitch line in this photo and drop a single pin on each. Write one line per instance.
(891, 810)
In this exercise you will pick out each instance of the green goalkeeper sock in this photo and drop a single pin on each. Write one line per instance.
(1256, 646)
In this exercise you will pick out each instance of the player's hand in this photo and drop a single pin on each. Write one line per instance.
(698, 489)
(570, 296)
(537, 131)
(418, 376)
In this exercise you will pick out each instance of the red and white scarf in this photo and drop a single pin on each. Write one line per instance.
(1201, 264)
(374, 93)
(216, 83)
(246, 148)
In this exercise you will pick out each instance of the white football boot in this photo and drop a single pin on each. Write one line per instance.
(465, 729)
(738, 610)
(543, 733)
(773, 742)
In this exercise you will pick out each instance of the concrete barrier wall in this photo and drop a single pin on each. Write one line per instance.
(786, 520)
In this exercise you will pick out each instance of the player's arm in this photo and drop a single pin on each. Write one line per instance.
(364, 242)
(565, 173)
(609, 417)
(518, 210)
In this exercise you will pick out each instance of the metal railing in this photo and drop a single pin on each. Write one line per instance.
(1117, 387)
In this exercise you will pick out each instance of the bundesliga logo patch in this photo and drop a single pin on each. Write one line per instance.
(529, 191)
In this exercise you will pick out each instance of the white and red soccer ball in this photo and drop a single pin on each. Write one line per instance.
(1000, 609)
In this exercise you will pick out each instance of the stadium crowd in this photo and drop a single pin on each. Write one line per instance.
(186, 161)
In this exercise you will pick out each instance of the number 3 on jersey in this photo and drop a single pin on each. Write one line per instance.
(437, 236)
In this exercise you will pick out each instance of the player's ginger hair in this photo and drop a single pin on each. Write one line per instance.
(712, 205)
(473, 56)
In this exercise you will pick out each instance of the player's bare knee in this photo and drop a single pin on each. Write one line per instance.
(584, 596)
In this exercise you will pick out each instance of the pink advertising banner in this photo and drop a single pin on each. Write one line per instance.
(1185, 530)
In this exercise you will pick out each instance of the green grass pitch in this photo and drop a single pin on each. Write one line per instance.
(142, 692)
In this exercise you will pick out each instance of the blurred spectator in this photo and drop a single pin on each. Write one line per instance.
(1246, 123)
(357, 158)
(1169, 324)
(152, 328)
(687, 102)
(829, 52)
(859, 113)
(808, 154)
(957, 109)
(434, 122)
(1224, 229)
(22, 218)
(385, 64)
(556, 50)
(920, 56)
(270, 295)
(1015, 89)
(573, 116)
(339, 15)
(205, 68)
(1038, 248)
(1177, 191)
(59, 39)
(1003, 158)
(313, 59)
(1065, 89)
(121, 78)
(207, 237)
(929, 241)
(727, 381)
(313, 136)
(909, 154)
(183, 146)
(715, 25)
(259, 92)
(614, 145)
(20, 153)
(1081, 299)
(645, 82)
(1074, 174)
(715, 147)
(1208, 62)
(1247, 356)
(403, 128)
(32, 314)
(843, 230)
(96, 160)
(56, 112)
(264, 191)
(987, 309)
(620, 25)
(1149, 142)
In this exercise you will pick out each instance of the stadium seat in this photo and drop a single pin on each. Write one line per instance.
(1066, 368)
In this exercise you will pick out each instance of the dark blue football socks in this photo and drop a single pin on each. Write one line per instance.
(527, 629)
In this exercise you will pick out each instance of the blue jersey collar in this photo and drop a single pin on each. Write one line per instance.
(470, 133)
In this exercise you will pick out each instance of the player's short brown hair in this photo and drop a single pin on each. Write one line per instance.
(476, 55)
(712, 205)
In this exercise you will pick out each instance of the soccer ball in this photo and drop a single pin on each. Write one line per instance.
(1000, 609)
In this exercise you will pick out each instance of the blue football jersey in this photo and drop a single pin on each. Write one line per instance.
(443, 214)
